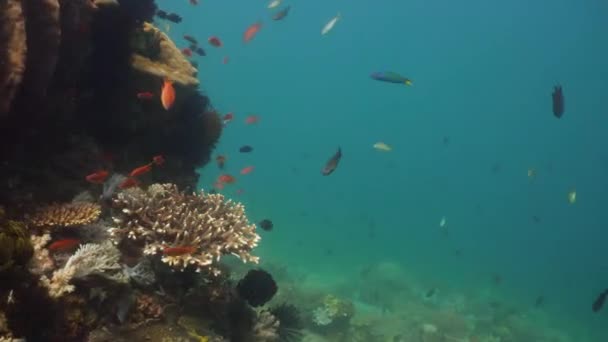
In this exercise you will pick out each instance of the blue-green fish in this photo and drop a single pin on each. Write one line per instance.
(392, 77)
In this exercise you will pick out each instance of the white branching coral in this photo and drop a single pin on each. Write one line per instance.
(194, 229)
(266, 327)
(89, 259)
(41, 262)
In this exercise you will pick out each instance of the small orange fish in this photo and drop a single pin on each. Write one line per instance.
(187, 52)
(225, 60)
(218, 185)
(252, 119)
(64, 245)
(179, 250)
(251, 31)
(145, 95)
(221, 161)
(215, 41)
(98, 177)
(228, 117)
(141, 170)
(167, 95)
(226, 179)
(158, 160)
(128, 183)
(247, 170)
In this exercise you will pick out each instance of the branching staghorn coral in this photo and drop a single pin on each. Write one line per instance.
(66, 215)
(189, 230)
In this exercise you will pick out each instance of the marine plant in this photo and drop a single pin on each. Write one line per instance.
(15, 245)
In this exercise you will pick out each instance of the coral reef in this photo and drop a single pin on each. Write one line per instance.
(66, 215)
(15, 246)
(189, 230)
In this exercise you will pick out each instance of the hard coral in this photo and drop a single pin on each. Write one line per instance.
(158, 56)
(189, 230)
(15, 246)
(66, 215)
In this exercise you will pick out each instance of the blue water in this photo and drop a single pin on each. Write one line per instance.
(482, 73)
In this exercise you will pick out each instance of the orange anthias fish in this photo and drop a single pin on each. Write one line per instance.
(215, 41)
(225, 60)
(187, 52)
(64, 245)
(179, 250)
(98, 177)
(226, 179)
(128, 183)
(145, 95)
(228, 117)
(252, 119)
(167, 95)
(247, 170)
(251, 31)
(141, 170)
(158, 160)
(221, 161)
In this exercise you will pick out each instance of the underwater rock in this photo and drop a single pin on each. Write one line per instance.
(257, 287)
(12, 51)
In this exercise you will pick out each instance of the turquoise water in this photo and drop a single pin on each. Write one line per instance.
(482, 73)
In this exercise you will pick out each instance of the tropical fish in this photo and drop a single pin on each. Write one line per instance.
(141, 170)
(200, 51)
(190, 39)
(266, 224)
(158, 160)
(226, 179)
(382, 146)
(98, 177)
(274, 3)
(558, 101)
(64, 245)
(332, 163)
(391, 77)
(167, 95)
(228, 117)
(221, 161)
(145, 95)
(280, 15)
(245, 149)
(599, 301)
(187, 52)
(330, 24)
(225, 60)
(215, 41)
(251, 31)
(247, 170)
(179, 250)
(252, 119)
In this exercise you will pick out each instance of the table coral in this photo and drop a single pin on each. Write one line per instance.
(194, 229)
(66, 215)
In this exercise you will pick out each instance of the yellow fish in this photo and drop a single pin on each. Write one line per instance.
(572, 197)
(380, 146)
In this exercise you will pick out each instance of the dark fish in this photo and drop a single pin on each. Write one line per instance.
(539, 301)
(161, 14)
(281, 14)
(191, 39)
(332, 163)
(599, 301)
(391, 77)
(266, 224)
(430, 293)
(558, 101)
(199, 51)
(174, 18)
(245, 149)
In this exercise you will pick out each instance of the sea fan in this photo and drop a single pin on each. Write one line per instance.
(290, 324)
